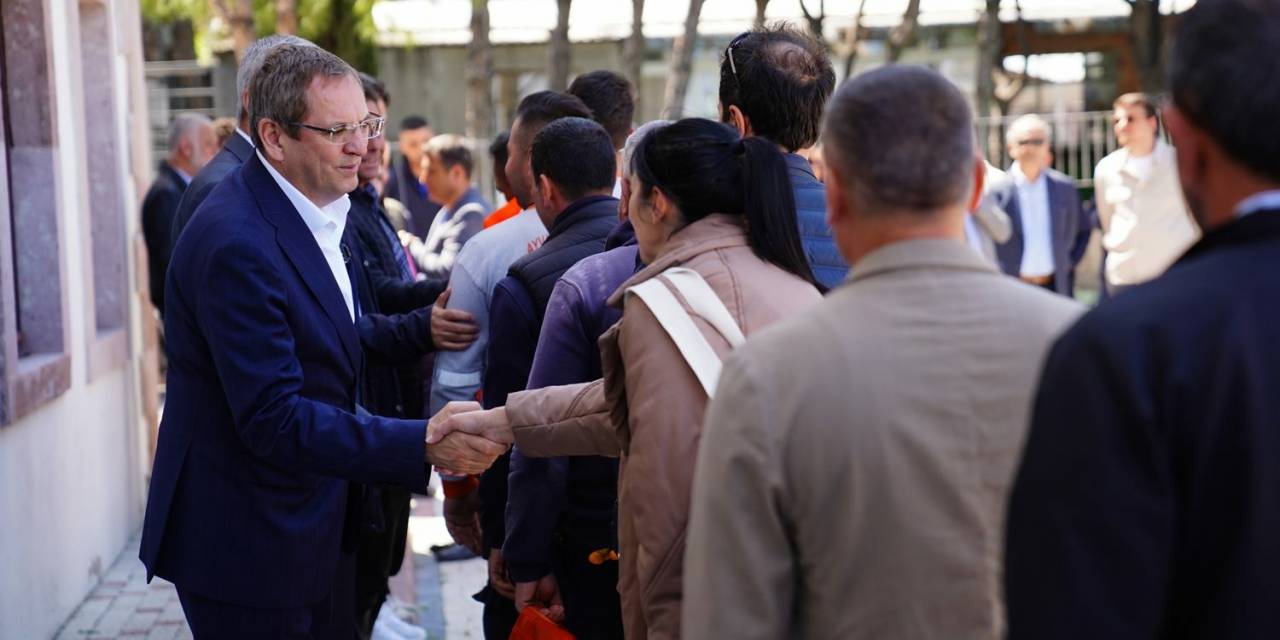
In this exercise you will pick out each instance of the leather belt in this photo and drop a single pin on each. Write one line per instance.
(1039, 281)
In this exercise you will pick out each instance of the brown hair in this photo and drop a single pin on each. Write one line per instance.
(1135, 99)
(278, 91)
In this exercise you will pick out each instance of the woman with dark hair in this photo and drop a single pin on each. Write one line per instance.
(711, 209)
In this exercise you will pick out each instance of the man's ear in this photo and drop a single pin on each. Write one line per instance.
(739, 120)
(1188, 141)
(838, 209)
(271, 134)
(546, 187)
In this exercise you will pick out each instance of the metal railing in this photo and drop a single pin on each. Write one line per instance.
(1078, 141)
(174, 87)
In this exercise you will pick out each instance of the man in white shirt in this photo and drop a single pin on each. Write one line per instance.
(1050, 231)
(1144, 219)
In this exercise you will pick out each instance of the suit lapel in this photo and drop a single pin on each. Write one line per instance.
(237, 146)
(300, 247)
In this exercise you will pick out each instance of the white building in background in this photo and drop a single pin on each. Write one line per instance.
(77, 352)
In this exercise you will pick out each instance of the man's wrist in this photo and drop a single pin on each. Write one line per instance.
(459, 486)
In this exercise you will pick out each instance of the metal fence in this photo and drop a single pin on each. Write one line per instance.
(174, 87)
(1079, 141)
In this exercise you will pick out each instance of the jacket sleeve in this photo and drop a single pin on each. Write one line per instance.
(242, 316)
(457, 374)
(437, 264)
(394, 295)
(536, 486)
(396, 339)
(739, 572)
(565, 420)
(1091, 524)
(1083, 226)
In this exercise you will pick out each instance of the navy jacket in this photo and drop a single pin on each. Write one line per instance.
(375, 233)
(248, 489)
(158, 208)
(1070, 229)
(1148, 501)
(579, 493)
(235, 152)
(825, 260)
(515, 318)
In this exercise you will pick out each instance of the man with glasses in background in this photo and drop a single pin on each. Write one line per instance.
(268, 335)
(1144, 219)
(1050, 229)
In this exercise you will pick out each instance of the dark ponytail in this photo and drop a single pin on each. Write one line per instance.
(705, 168)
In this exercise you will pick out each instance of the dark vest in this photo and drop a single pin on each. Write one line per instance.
(578, 232)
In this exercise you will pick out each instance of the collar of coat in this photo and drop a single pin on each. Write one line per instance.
(715, 231)
(924, 253)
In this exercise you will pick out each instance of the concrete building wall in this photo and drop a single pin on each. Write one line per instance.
(75, 448)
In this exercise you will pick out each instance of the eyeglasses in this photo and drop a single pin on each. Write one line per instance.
(729, 53)
(345, 133)
(1030, 142)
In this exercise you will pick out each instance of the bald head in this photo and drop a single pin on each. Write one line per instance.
(900, 140)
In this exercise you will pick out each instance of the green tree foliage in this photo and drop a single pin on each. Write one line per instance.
(344, 27)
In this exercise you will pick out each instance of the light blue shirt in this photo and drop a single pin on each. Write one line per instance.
(482, 262)
(1258, 202)
(1037, 224)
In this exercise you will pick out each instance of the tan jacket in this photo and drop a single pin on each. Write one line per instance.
(649, 409)
(855, 463)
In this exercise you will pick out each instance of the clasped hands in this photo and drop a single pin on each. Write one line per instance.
(463, 439)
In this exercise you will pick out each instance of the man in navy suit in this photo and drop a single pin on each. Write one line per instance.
(1050, 229)
(263, 425)
(1148, 502)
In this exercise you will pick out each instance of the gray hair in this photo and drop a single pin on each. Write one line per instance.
(184, 127)
(1029, 122)
(278, 91)
(893, 155)
(252, 61)
(633, 141)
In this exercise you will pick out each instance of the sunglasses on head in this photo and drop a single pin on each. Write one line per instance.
(729, 52)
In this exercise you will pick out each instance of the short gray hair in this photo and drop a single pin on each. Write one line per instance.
(1029, 122)
(278, 91)
(901, 138)
(183, 127)
(252, 61)
(633, 141)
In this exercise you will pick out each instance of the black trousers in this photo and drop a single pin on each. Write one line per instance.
(592, 607)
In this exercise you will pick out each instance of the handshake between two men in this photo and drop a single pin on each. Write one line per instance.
(464, 439)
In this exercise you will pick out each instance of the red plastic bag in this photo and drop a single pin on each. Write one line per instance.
(532, 625)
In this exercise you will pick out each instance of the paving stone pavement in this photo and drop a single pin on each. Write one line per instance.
(123, 606)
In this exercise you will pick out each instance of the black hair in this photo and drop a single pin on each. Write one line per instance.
(704, 168)
(413, 122)
(537, 109)
(576, 154)
(1220, 80)
(452, 150)
(611, 99)
(374, 89)
(780, 79)
(498, 148)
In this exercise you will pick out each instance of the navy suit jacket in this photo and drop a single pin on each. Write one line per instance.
(158, 209)
(235, 152)
(248, 489)
(1070, 229)
(1148, 500)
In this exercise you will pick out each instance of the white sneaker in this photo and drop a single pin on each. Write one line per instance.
(393, 628)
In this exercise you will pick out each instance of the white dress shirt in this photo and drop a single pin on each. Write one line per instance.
(326, 224)
(1037, 224)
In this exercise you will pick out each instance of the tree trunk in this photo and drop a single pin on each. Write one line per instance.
(633, 55)
(855, 41)
(901, 35)
(238, 14)
(558, 48)
(287, 17)
(479, 99)
(682, 64)
(814, 22)
(760, 6)
(989, 44)
(1148, 44)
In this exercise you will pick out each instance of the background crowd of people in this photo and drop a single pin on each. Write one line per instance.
(677, 383)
